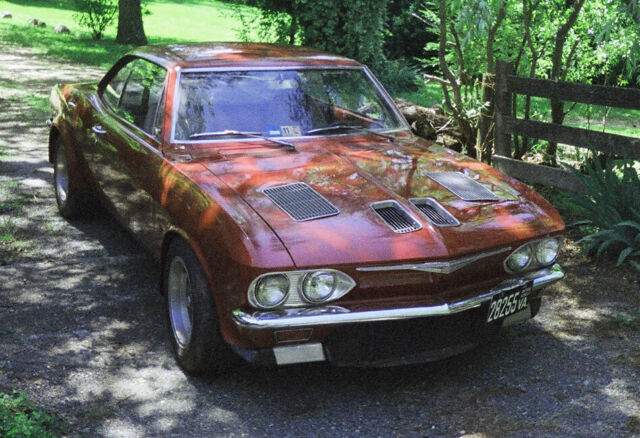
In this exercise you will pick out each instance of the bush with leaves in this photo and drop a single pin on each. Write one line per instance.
(95, 15)
(19, 418)
(611, 203)
(353, 28)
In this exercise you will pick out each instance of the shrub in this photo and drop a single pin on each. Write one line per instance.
(95, 15)
(19, 418)
(397, 75)
(611, 203)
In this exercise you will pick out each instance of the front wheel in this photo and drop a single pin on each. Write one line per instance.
(191, 314)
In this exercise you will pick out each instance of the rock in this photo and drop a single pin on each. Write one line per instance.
(37, 23)
(61, 28)
(5, 14)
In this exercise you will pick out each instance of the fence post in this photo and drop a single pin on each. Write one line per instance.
(503, 108)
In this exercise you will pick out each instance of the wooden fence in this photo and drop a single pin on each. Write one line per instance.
(507, 125)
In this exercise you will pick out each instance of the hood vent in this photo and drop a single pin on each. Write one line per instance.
(396, 217)
(462, 186)
(434, 212)
(301, 202)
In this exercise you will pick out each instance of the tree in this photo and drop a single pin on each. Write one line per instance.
(354, 28)
(564, 40)
(95, 15)
(558, 69)
(130, 26)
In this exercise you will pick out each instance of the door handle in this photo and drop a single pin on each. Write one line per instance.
(98, 129)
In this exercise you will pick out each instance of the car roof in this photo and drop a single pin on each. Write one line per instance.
(219, 54)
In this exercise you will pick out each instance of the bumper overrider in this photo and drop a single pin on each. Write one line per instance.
(333, 315)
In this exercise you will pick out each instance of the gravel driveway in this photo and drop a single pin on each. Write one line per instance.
(82, 332)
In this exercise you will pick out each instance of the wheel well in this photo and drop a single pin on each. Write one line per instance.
(54, 135)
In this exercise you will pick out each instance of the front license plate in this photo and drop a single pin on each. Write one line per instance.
(509, 302)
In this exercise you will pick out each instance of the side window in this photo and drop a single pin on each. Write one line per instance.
(142, 94)
(113, 90)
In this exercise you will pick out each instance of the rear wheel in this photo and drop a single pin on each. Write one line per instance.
(66, 196)
(191, 314)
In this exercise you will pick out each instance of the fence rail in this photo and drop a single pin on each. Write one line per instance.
(507, 125)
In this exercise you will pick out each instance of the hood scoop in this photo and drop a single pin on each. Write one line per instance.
(301, 202)
(434, 212)
(396, 217)
(462, 186)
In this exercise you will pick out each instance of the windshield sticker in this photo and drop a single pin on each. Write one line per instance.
(291, 131)
(274, 131)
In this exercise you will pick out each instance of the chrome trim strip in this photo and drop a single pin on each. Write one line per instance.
(436, 267)
(241, 68)
(334, 315)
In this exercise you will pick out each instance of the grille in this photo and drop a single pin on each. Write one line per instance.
(393, 215)
(434, 212)
(462, 186)
(301, 202)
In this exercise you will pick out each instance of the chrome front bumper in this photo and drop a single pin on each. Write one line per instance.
(334, 315)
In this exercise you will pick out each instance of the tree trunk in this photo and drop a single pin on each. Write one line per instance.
(557, 106)
(485, 138)
(457, 107)
(130, 27)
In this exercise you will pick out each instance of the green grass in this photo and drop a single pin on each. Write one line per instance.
(186, 20)
(428, 95)
(169, 22)
(20, 418)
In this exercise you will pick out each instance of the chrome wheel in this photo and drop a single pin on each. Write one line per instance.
(61, 175)
(180, 301)
(190, 312)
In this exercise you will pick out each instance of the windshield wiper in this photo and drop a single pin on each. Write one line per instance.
(344, 127)
(233, 132)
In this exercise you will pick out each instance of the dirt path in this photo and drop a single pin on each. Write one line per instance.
(81, 332)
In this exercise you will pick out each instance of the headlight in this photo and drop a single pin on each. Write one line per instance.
(298, 288)
(547, 251)
(271, 291)
(319, 286)
(520, 258)
(532, 255)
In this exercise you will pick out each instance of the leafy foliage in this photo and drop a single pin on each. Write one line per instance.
(95, 15)
(628, 322)
(20, 419)
(353, 28)
(541, 38)
(612, 204)
(405, 35)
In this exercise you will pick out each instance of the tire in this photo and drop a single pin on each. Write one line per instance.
(67, 198)
(191, 315)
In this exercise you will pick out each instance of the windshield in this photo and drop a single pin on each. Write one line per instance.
(280, 103)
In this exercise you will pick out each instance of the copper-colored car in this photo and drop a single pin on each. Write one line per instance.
(293, 213)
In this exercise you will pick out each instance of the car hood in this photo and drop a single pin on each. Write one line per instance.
(353, 173)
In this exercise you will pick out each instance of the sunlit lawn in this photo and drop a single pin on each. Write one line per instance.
(169, 21)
